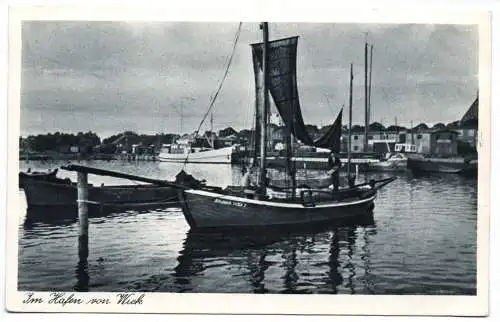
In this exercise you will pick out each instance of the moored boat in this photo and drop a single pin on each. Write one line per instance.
(228, 208)
(257, 204)
(36, 175)
(180, 153)
(195, 149)
(461, 165)
(396, 162)
(51, 191)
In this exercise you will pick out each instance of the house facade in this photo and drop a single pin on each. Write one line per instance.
(467, 135)
(436, 142)
(380, 142)
(444, 143)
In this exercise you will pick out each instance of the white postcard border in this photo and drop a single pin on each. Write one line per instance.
(249, 303)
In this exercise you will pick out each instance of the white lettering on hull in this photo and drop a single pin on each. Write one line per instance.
(230, 203)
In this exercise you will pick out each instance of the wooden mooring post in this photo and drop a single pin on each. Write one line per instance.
(83, 215)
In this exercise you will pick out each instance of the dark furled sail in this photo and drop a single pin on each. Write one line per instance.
(331, 139)
(282, 55)
(283, 88)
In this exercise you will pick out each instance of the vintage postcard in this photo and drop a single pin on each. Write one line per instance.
(167, 161)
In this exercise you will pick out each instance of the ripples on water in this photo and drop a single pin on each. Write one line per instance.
(421, 239)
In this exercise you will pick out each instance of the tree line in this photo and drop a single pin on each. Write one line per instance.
(60, 141)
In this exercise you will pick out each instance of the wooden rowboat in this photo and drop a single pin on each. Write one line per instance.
(47, 190)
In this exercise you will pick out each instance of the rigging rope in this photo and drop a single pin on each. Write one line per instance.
(212, 102)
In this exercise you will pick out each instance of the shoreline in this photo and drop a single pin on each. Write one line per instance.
(90, 157)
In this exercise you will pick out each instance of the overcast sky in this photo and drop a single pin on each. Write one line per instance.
(109, 77)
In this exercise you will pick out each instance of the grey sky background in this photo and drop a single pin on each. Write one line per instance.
(114, 76)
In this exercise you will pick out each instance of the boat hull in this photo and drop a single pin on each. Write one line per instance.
(204, 209)
(41, 193)
(220, 156)
(442, 165)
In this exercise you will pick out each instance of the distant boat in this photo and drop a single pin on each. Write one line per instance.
(461, 165)
(185, 153)
(394, 161)
(258, 203)
(444, 158)
(48, 190)
(191, 150)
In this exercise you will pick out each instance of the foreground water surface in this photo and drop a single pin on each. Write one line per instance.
(420, 239)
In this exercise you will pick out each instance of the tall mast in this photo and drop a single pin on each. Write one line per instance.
(290, 164)
(411, 131)
(350, 126)
(211, 121)
(259, 99)
(365, 145)
(370, 84)
(182, 118)
(212, 137)
(263, 138)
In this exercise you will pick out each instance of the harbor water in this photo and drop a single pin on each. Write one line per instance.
(421, 239)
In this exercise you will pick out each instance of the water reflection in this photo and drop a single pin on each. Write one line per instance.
(259, 249)
(290, 263)
(349, 265)
(334, 276)
(66, 216)
(366, 259)
(444, 179)
(258, 268)
(81, 273)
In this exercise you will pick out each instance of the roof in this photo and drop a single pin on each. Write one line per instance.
(472, 113)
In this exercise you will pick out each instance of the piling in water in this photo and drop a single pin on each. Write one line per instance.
(83, 215)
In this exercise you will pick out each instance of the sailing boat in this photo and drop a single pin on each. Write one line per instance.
(256, 205)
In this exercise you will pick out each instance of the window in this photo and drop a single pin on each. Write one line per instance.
(370, 137)
(355, 137)
(419, 136)
(355, 148)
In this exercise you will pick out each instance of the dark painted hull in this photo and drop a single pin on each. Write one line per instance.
(42, 193)
(442, 165)
(47, 176)
(204, 209)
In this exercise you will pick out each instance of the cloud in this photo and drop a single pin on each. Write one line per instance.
(93, 74)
